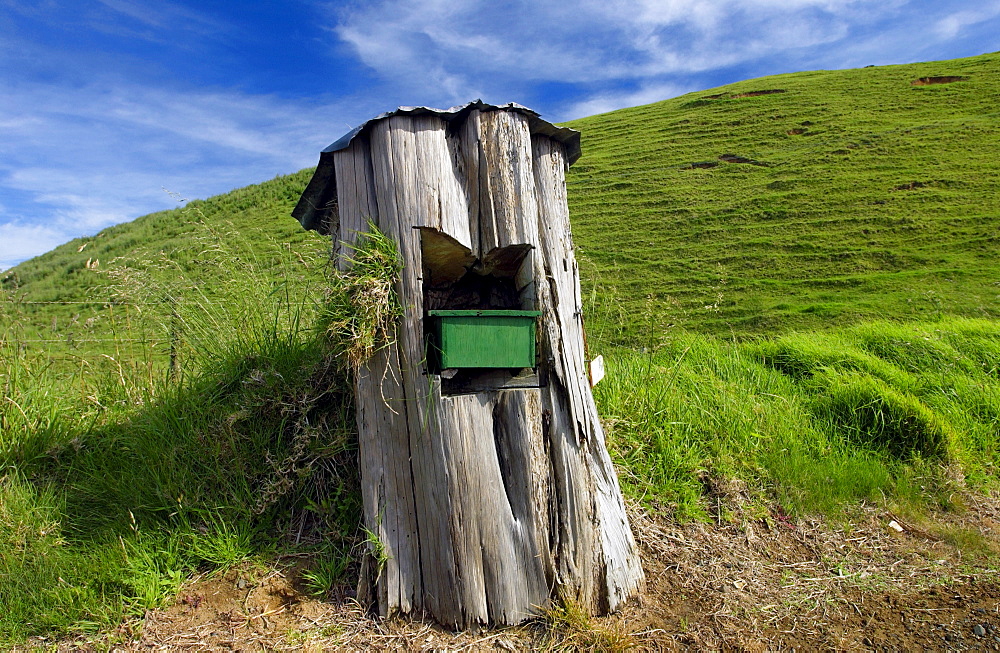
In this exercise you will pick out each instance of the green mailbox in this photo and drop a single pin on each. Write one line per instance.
(482, 338)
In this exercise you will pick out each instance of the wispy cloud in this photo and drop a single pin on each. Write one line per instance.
(591, 41)
(104, 103)
(158, 21)
(95, 126)
(104, 153)
(165, 14)
(952, 25)
(451, 51)
(602, 103)
(18, 238)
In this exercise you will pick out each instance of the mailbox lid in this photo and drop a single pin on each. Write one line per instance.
(483, 338)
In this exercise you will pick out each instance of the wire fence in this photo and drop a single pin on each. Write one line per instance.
(97, 302)
(141, 331)
(78, 340)
(146, 323)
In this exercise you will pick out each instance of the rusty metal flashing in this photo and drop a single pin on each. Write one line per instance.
(317, 206)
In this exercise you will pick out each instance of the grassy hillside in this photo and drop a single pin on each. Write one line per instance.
(796, 201)
(240, 217)
(814, 421)
(167, 281)
(789, 202)
(797, 216)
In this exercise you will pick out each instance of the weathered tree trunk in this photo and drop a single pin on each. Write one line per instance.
(490, 503)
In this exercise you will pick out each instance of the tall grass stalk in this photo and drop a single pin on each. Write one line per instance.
(116, 483)
(812, 422)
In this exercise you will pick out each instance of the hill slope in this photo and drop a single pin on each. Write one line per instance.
(798, 200)
(168, 279)
(729, 211)
(784, 202)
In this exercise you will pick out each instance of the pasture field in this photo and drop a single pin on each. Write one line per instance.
(798, 201)
(793, 280)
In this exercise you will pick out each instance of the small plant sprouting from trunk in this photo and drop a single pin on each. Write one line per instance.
(362, 307)
(377, 549)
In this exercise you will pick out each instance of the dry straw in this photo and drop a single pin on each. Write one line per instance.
(362, 307)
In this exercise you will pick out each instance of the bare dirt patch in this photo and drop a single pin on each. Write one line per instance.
(752, 580)
(735, 158)
(773, 584)
(913, 185)
(735, 96)
(944, 79)
(770, 91)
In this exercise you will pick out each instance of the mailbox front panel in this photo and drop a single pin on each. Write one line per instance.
(484, 339)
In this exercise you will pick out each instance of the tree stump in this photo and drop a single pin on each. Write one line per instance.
(490, 493)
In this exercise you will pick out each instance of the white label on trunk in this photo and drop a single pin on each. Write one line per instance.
(596, 370)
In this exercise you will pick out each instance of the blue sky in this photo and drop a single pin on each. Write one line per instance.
(110, 109)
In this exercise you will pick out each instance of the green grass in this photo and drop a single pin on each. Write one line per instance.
(875, 199)
(116, 491)
(125, 502)
(800, 337)
(117, 483)
(811, 422)
(128, 291)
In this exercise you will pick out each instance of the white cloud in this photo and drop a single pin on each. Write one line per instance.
(89, 147)
(20, 241)
(424, 40)
(159, 21)
(163, 14)
(954, 24)
(604, 102)
(448, 52)
(74, 162)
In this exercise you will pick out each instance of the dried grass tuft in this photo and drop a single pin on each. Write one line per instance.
(362, 306)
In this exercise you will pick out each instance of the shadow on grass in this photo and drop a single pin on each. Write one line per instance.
(254, 454)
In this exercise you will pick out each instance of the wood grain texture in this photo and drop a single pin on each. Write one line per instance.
(355, 187)
(617, 558)
(492, 503)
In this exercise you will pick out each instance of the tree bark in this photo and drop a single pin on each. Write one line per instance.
(485, 506)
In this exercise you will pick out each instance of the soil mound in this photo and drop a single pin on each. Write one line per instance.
(946, 79)
(735, 158)
(770, 91)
